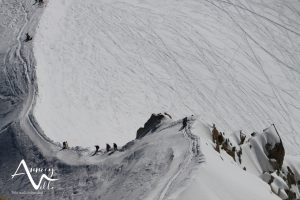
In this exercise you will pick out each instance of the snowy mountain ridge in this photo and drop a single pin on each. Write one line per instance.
(103, 67)
(175, 161)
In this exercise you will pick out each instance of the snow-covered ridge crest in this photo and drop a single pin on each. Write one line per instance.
(176, 160)
(147, 169)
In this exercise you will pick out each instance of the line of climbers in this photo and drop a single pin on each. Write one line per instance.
(97, 150)
(108, 148)
(149, 126)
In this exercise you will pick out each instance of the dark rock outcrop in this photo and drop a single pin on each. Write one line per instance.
(150, 126)
(290, 178)
(242, 138)
(277, 153)
(215, 134)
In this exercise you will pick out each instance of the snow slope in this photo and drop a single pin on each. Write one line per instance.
(143, 170)
(221, 179)
(104, 66)
(17, 17)
(169, 163)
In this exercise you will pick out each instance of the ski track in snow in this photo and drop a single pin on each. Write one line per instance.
(186, 165)
(167, 41)
(18, 51)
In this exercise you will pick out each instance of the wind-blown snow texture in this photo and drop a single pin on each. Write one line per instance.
(235, 63)
(104, 66)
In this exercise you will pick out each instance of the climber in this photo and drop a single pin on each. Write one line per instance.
(65, 145)
(97, 149)
(108, 147)
(28, 38)
(115, 147)
(184, 123)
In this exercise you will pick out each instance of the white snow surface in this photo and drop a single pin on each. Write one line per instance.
(170, 163)
(104, 66)
(220, 178)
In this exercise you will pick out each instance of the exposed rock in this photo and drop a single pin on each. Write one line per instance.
(291, 178)
(2, 197)
(220, 139)
(277, 153)
(291, 195)
(242, 138)
(232, 152)
(150, 126)
(239, 154)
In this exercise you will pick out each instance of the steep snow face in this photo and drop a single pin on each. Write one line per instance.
(104, 66)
